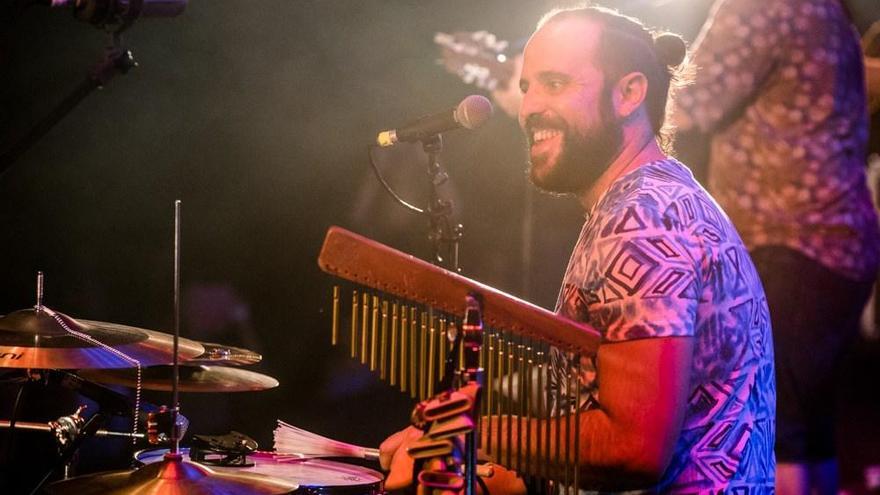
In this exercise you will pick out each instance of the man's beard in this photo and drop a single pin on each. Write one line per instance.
(583, 157)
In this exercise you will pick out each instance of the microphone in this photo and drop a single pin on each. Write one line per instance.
(471, 113)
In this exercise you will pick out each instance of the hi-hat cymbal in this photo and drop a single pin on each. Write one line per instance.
(225, 355)
(173, 476)
(38, 339)
(200, 378)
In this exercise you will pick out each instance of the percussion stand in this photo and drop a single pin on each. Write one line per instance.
(70, 432)
(472, 374)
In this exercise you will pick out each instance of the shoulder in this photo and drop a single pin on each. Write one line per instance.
(659, 197)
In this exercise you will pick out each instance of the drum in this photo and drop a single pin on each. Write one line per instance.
(314, 476)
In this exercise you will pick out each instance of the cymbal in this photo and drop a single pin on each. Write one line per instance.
(202, 378)
(224, 355)
(173, 476)
(35, 339)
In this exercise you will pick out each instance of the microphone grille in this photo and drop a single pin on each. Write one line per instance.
(473, 111)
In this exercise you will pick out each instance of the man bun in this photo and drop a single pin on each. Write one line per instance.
(670, 49)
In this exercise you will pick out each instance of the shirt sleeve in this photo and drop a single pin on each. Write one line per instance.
(733, 54)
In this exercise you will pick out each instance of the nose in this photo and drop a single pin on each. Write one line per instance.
(531, 107)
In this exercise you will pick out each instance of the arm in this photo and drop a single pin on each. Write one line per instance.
(733, 54)
(628, 442)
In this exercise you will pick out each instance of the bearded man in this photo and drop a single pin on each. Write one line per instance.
(683, 397)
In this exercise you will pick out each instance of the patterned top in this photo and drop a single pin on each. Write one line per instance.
(659, 258)
(780, 86)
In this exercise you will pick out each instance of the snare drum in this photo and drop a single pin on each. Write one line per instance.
(314, 476)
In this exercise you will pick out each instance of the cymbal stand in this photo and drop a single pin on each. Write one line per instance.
(70, 432)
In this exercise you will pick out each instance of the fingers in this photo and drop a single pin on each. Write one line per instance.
(401, 474)
(389, 447)
(393, 457)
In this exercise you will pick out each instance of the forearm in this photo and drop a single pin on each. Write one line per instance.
(604, 455)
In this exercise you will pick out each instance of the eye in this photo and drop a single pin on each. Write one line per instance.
(555, 85)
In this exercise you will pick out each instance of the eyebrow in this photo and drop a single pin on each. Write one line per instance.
(545, 76)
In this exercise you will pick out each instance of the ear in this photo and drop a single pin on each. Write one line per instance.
(629, 93)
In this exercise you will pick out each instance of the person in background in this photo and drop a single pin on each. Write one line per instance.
(780, 92)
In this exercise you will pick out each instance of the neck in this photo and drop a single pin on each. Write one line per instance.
(638, 149)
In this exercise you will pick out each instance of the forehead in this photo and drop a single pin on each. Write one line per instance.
(566, 46)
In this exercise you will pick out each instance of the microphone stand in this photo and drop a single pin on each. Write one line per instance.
(116, 59)
(443, 235)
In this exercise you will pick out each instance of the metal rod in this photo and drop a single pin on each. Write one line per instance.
(334, 336)
(490, 395)
(541, 415)
(520, 380)
(365, 322)
(423, 352)
(404, 346)
(558, 413)
(566, 480)
(40, 288)
(175, 380)
(392, 371)
(509, 412)
(432, 355)
(383, 345)
(374, 333)
(500, 373)
(527, 407)
(354, 323)
(444, 345)
(413, 356)
(29, 425)
(577, 422)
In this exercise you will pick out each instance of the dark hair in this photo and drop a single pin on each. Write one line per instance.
(626, 46)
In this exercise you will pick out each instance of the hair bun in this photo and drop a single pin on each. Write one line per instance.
(670, 49)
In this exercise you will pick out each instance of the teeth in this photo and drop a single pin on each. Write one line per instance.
(542, 134)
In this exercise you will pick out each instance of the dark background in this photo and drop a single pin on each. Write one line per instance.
(257, 116)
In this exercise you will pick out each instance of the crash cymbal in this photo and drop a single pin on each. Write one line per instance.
(200, 378)
(37, 339)
(173, 476)
(224, 355)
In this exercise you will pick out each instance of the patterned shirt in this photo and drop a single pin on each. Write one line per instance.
(658, 258)
(780, 86)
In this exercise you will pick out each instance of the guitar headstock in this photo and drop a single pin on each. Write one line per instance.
(478, 58)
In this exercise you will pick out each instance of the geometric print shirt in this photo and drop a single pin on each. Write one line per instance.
(657, 257)
(780, 87)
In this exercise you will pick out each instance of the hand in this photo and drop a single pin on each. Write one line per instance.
(393, 457)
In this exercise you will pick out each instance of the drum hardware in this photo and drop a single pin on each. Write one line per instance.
(311, 475)
(192, 378)
(173, 474)
(224, 355)
(67, 428)
(159, 426)
(231, 449)
(523, 387)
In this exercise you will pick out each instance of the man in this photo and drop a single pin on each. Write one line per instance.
(780, 88)
(683, 399)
